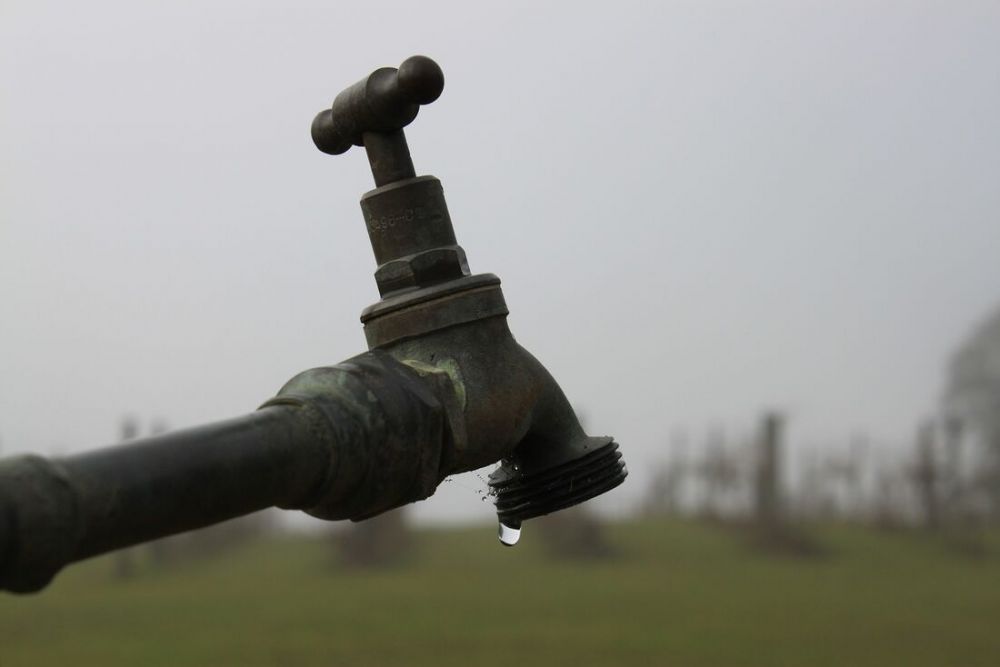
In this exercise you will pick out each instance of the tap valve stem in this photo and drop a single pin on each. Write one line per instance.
(407, 217)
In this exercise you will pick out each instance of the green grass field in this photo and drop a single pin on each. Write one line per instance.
(678, 594)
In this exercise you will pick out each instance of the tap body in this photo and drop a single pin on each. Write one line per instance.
(443, 388)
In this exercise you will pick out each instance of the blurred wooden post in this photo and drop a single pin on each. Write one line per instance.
(666, 490)
(575, 533)
(768, 479)
(124, 566)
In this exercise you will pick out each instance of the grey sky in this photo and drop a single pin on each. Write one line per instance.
(729, 206)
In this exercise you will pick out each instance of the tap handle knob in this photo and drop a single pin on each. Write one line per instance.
(386, 100)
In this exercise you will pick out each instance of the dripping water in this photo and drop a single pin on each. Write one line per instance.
(509, 535)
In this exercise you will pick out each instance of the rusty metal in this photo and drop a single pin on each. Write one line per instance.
(444, 388)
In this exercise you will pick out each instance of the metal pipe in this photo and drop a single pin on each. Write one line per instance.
(192, 478)
(64, 510)
(336, 442)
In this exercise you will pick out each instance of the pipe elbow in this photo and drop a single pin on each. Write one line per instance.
(514, 412)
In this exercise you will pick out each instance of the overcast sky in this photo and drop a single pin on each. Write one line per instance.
(698, 210)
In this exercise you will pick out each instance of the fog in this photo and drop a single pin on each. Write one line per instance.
(698, 212)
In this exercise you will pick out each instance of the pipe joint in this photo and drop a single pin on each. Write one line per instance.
(38, 518)
(391, 431)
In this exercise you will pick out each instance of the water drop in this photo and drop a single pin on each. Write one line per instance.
(509, 535)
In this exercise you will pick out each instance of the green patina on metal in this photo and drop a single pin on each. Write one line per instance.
(447, 366)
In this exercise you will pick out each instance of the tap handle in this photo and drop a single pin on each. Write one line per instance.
(385, 101)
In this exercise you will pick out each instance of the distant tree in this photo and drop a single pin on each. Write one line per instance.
(972, 414)
(720, 474)
(666, 490)
(926, 477)
(382, 541)
(852, 474)
(573, 533)
(816, 497)
(833, 486)
(891, 499)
